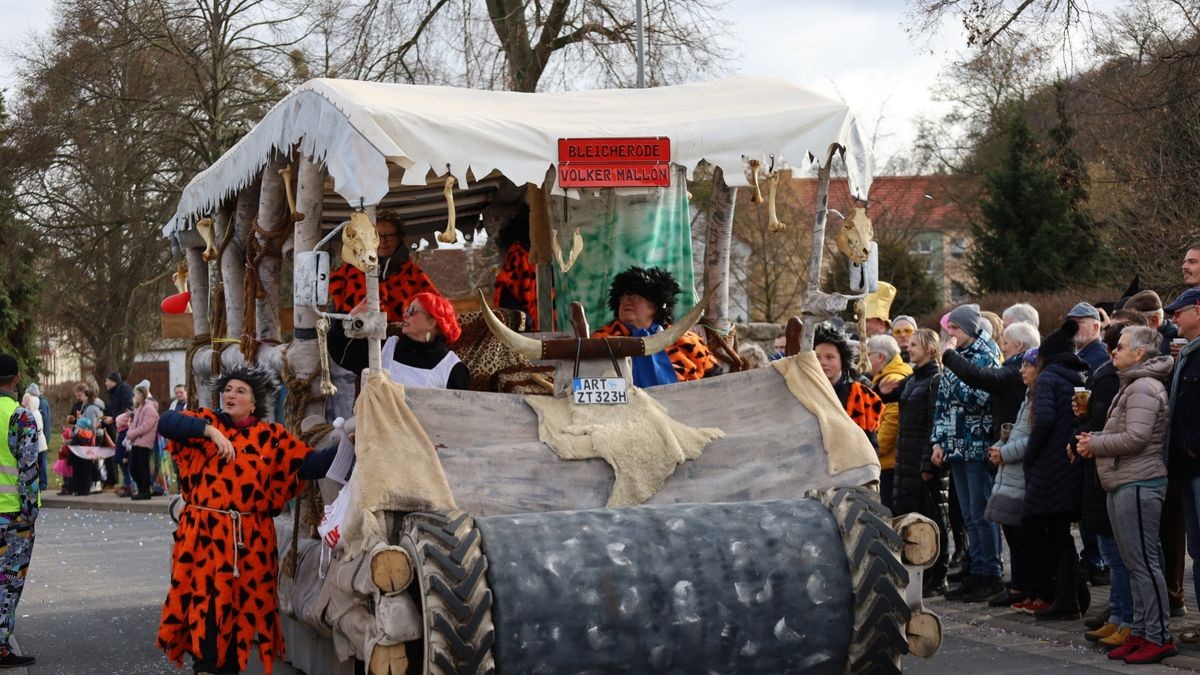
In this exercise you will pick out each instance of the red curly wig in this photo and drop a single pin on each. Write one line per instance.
(442, 312)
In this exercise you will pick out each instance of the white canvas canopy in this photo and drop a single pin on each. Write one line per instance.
(357, 128)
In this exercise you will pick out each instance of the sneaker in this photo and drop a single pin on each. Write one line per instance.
(1118, 638)
(1098, 619)
(1128, 647)
(1179, 611)
(1034, 606)
(934, 589)
(1101, 632)
(1059, 611)
(1006, 598)
(11, 660)
(1151, 652)
(985, 589)
(962, 589)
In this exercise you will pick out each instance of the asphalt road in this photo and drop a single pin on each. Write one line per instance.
(98, 579)
(94, 594)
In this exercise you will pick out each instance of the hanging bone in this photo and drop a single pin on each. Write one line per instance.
(205, 228)
(450, 235)
(756, 196)
(327, 387)
(286, 173)
(773, 224)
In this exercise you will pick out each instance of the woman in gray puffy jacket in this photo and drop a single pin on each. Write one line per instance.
(1130, 460)
(1008, 492)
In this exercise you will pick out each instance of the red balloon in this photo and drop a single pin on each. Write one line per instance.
(176, 304)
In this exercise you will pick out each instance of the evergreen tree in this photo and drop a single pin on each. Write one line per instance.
(1027, 237)
(18, 283)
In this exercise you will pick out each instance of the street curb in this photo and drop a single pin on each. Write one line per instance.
(107, 501)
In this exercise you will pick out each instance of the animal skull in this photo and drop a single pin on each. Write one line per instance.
(360, 242)
(854, 241)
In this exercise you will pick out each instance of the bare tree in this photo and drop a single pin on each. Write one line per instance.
(515, 44)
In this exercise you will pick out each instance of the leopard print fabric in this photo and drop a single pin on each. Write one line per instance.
(690, 356)
(258, 483)
(348, 287)
(863, 406)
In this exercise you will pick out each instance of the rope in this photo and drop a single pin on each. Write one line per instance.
(288, 569)
(252, 288)
(300, 395)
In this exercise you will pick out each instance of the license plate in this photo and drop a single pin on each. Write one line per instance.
(601, 390)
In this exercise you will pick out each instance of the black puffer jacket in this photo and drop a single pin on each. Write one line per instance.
(917, 398)
(1053, 483)
(1003, 383)
(1104, 385)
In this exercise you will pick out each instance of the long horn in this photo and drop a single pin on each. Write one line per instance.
(525, 346)
(663, 339)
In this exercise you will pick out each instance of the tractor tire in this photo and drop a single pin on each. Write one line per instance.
(877, 576)
(455, 600)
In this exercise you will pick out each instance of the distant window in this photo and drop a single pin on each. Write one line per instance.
(957, 291)
(958, 247)
(925, 246)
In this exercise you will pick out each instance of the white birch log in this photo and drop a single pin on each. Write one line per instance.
(716, 250)
(272, 215)
(302, 354)
(198, 285)
(231, 269)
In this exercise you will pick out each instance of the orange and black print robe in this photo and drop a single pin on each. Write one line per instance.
(257, 483)
(348, 287)
(689, 355)
(516, 284)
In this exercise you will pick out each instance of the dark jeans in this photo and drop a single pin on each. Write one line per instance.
(1055, 563)
(958, 529)
(139, 466)
(1174, 541)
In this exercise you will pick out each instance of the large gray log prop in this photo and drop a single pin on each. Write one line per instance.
(591, 598)
(753, 587)
(272, 215)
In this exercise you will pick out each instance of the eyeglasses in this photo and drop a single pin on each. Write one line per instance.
(413, 309)
(903, 332)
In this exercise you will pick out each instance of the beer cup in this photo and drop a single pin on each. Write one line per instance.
(1081, 400)
(1005, 431)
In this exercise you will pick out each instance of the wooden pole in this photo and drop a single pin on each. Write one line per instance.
(231, 267)
(303, 356)
(272, 216)
(198, 286)
(818, 247)
(716, 250)
(233, 263)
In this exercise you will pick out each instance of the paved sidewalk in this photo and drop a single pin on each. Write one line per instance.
(105, 501)
(1008, 627)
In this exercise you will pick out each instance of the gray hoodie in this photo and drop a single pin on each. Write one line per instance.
(1131, 447)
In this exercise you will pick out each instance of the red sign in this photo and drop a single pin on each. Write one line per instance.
(614, 162)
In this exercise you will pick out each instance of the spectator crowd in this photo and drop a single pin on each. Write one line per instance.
(998, 432)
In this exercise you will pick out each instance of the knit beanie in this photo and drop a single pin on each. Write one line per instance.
(1061, 341)
(968, 318)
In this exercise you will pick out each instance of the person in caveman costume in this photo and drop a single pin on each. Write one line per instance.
(643, 300)
(237, 471)
(516, 281)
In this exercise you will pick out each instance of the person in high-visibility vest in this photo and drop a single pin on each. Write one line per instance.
(20, 498)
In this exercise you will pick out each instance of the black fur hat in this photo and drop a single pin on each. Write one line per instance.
(827, 334)
(654, 284)
(263, 383)
(1061, 341)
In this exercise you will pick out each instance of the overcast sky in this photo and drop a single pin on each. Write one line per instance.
(857, 51)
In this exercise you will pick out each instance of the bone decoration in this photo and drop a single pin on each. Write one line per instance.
(854, 241)
(450, 235)
(205, 227)
(360, 242)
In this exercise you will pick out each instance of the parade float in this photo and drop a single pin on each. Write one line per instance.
(726, 524)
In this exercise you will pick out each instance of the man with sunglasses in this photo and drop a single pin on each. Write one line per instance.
(903, 328)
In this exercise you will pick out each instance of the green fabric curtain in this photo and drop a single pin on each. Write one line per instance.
(649, 229)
